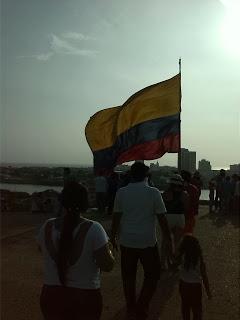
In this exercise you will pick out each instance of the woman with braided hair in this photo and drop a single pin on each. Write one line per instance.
(74, 249)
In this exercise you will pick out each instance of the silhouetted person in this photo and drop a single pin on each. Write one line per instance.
(136, 208)
(219, 189)
(227, 191)
(194, 200)
(197, 181)
(101, 188)
(211, 187)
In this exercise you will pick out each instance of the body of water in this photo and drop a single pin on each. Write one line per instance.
(30, 188)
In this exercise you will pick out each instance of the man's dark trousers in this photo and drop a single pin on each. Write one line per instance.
(150, 260)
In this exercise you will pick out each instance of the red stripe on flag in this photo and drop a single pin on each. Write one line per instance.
(151, 149)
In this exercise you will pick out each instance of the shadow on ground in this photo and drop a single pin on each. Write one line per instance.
(220, 219)
(163, 293)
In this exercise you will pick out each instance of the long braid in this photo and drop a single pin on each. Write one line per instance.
(74, 198)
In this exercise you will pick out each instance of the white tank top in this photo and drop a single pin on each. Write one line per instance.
(83, 272)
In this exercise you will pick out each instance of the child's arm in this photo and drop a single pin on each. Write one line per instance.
(205, 278)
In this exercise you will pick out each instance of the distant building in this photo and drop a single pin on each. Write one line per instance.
(192, 161)
(188, 160)
(184, 159)
(234, 169)
(205, 168)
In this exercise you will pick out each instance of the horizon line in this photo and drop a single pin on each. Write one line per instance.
(79, 165)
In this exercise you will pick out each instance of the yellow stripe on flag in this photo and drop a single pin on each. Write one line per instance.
(156, 101)
(101, 128)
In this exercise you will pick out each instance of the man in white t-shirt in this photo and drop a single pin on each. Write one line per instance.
(136, 209)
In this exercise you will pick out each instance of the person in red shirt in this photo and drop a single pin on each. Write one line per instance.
(194, 201)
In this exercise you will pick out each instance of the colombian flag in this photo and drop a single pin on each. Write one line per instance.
(145, 127)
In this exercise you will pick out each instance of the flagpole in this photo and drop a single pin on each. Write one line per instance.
(180, 96)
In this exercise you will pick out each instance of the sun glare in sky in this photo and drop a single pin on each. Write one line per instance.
(231, 27)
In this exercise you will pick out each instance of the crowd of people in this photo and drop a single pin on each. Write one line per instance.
(106, 189)
(224, 193)
(76, 249)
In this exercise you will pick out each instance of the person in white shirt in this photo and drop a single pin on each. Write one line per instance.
(74, 251)
(101, 188)
(136, 209)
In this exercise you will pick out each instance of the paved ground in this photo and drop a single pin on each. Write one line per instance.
(21, 273)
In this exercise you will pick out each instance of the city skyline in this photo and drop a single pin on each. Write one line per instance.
(86, 56)
(149, 162)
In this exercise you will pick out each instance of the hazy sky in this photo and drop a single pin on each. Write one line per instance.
(62, 61)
